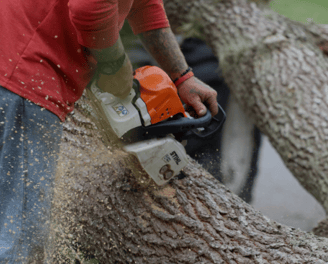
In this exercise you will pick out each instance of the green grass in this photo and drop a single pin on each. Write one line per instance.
(303, 10)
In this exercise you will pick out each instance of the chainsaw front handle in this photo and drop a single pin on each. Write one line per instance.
(214, 127)
(178, 125)
(201, 127)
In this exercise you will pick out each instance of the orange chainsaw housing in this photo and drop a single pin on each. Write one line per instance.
(159, 93)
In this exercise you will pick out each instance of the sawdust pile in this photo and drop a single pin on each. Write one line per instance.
(89, 169)
(81, 197)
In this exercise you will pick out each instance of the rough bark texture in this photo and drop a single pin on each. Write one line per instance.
(105, 204)
(278, 74)
(103, 207)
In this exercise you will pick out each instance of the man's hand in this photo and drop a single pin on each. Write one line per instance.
(162, 45)
(114, 75)
(120, 83)
(195, 93)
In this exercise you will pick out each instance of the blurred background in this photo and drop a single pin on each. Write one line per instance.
(239, 156)
(303, 10)
(277, 194)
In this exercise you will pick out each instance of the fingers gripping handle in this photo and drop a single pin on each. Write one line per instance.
(213, 127)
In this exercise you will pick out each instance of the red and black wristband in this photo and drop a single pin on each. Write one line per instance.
(184, 76)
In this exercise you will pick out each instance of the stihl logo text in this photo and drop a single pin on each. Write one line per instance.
(175, 157)
(167, 158)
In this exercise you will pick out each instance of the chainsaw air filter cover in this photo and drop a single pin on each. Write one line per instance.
(159, 94)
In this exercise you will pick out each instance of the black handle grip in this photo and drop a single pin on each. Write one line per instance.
(136, 88)
(214, 126)
(179, 125)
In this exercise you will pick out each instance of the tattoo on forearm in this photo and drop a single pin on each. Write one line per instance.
(203, 84)
(162, 45)
(109, 54)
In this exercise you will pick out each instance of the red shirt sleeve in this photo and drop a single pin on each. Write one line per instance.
(95, 21)
(147, 15)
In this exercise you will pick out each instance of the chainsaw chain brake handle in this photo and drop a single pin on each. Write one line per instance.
(136, 88)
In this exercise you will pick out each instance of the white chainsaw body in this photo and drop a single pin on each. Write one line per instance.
(162, 158)
(121, 113)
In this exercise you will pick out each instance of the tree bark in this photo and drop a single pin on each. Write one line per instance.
(105, 203)
(102, 208)
(278, 74)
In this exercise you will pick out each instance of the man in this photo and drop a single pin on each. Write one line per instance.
(48, 54)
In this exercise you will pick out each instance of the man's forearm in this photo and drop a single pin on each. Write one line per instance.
(114, 70)
(109, 54)
(162, 45)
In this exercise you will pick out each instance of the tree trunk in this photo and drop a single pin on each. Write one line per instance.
(102, 208)
(105, 204)
(278, 74)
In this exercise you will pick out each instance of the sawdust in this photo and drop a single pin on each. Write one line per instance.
(81, 181)
(166, 191)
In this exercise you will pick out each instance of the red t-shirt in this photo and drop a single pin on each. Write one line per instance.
(42, 54)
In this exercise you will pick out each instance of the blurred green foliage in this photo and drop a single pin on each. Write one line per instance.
(300, 10)
(303, 10)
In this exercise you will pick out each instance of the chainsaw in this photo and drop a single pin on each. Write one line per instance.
(153, 123)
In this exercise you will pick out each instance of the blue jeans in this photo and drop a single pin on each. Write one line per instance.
(29, 146)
